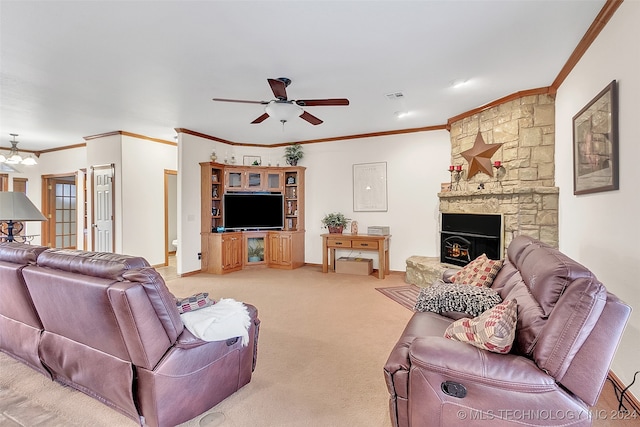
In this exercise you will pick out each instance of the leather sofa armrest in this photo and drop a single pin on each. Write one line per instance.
(467, 363)
(448, 273)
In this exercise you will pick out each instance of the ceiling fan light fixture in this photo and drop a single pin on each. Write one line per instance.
(283, 111)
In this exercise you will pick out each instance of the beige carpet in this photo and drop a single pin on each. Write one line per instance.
(323, 342)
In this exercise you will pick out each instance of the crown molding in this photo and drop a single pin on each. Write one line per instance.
(131, 134)
(598, 24)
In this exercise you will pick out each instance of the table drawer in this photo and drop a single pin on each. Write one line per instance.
(364, 245)
(338, 243)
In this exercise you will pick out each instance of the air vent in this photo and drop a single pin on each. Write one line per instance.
(394, 95)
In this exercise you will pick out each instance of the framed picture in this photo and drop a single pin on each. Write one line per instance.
(595, 144)
(370, 187)
(251, 160)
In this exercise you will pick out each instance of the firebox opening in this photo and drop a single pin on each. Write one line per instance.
(464, 237)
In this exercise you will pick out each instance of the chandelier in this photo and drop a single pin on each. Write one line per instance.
(14, 157)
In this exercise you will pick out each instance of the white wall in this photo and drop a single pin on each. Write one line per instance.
(601, 230)
(139, 188)
(54, 163)
(143, 164)
(416, 165)
(100, 152)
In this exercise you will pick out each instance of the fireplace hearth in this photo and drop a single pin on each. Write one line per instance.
(464, 237)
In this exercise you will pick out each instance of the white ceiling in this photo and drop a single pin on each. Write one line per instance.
(78, 68)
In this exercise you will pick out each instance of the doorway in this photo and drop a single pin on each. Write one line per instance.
(103, 237)
(170, 213)
(60, 208)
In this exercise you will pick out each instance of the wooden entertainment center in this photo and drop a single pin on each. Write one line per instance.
(228, 251)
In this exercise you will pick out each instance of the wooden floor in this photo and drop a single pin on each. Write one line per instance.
(606, 414)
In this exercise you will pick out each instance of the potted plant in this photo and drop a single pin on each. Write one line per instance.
(255, 252)
(293, 153)
(335, 222)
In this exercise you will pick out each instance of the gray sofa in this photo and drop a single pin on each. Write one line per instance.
(107, 325)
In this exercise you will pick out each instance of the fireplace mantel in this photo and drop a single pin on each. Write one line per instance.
(531, 211)
(497, 192)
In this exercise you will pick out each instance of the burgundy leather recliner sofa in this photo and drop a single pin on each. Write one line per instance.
(567, 332)
(107, 325)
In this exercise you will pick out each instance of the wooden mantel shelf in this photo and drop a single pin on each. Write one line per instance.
(506, 191)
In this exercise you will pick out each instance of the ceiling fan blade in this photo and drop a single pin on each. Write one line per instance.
(241, 100)
(260, 119)
(310, 118)
(317, 102)
(279, 88)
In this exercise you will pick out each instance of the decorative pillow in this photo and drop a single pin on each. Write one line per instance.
(479, 272)
(493, 330)
(194, 302)
(469, 271)
(452, 297)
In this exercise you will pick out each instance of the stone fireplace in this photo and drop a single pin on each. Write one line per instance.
(523, 190)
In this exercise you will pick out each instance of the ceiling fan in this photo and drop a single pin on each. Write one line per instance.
(285, 109)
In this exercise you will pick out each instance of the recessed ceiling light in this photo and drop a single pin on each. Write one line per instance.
(401, 114)
(459, 83)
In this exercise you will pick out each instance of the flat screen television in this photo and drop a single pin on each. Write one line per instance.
(253, 211)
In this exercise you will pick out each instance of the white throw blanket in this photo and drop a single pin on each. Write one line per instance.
(225, 319)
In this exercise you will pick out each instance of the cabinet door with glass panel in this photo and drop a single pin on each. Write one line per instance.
(274, 181)
(253, 180)
(254, 247)
(234, 179)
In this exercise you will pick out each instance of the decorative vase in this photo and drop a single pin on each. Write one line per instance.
(335, 230)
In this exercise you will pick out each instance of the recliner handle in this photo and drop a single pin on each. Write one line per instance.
(454, 389)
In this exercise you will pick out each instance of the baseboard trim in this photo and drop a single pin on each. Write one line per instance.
(313, 264)
(629, 400)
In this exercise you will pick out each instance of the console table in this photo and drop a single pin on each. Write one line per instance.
(355, 242)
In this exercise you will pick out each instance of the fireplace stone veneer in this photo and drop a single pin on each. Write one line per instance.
(523, 190)
(527, 211)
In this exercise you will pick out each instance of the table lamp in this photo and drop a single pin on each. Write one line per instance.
(15, 206)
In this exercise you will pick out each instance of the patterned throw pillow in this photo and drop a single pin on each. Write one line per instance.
(479, 272)
(193, 302)
(493, 330)
(469, 270)
(452, 297)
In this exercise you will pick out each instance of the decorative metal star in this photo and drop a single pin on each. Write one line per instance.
(479, 156)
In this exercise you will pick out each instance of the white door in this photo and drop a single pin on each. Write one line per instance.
(103, 208)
